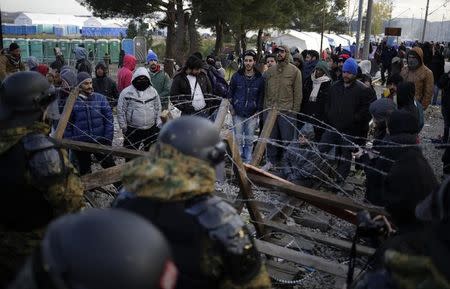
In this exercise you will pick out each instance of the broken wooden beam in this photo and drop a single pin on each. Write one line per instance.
(303, 259)
(222, 113)
(104, 177)
(65, 116)
(99, 148)
(260, 148)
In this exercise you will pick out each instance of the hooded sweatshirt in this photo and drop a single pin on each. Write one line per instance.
(105, 85)
(83, 64)
(125, 73)
(139, 109)
(161, 82)
(283, 86)
(422, 77)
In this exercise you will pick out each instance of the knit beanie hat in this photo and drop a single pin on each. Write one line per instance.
(32, 62)
(381, 109)
(82, 77)
(152, 56)
(350, 66)
(69, 77)
(322, 65)
(13, 46)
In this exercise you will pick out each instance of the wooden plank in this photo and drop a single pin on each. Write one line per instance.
(65, 116)
(283, 271)
(104, 177)
(269, 122)
(99, 148)
(222, 113)
(321, 238)
(244, 184)
(315, 262)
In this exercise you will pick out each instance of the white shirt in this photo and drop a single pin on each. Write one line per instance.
(198, 99)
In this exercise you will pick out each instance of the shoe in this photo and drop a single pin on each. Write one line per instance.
(267, 166)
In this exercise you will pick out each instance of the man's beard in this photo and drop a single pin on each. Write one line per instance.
(153, 67)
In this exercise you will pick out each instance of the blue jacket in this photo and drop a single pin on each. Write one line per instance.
(246, 95)
(91, 120)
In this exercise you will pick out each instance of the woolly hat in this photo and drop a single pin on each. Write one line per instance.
(82, 77)
(381, 109)
(152, 56)
(350, 66)
(32, 62)
(69, 77)
(322, 65)
(13, 46)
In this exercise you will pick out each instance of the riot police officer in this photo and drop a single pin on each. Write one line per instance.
(99, 249)
(173, 189)
(37, 180)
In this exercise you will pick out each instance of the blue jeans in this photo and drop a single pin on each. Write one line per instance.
(244, 130)
(434, 100)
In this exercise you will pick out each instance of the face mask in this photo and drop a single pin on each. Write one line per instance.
(413, 63)
(141, 84)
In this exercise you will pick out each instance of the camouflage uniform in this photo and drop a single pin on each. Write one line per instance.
(48, 186)
(220, 253)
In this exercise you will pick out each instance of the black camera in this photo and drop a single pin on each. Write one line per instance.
(367, 227)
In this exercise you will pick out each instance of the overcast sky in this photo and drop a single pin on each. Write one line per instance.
(407, 8)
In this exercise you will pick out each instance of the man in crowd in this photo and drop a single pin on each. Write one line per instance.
(173, 189)
(283, 91)
(139, 111)
(11, 62)
(91, 121)
(347, 110)
(103, 84)
(83, 64)
(160, 79)
(38, 181)
(191, 90)
(420, 75)
(387, 54)
(312, 57)
(246, 97)
(271, 60)
(125, 73)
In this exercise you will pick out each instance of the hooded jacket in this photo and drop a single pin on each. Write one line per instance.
(125, 73)
(246, 94)
(105, 85)
(10, 65)
(139, 109)
(422, 77)
(283, 88)
(161, 82)
(83, 63)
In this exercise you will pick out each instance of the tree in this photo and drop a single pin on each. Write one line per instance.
(382, 11)
(132, 29)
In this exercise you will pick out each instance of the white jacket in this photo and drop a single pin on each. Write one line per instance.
(139, 109)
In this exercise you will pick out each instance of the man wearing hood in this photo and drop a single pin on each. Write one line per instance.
(125, 73)
(311, 60)
(103, 84)
(315, 93)
(283, 91)
(420, 75)
(138, 111)
(91, 121)
(407, 103)
(160, 79)
(83, 64)
(11, 62)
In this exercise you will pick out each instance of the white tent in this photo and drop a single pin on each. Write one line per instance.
(337, 40)
(302, 40)
(350, 39)
(317, 38)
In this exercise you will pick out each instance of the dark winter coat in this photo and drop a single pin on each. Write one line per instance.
(105, 85)
(386, 56)
(437, 66)
(316, 108)
(181, 95)
(246, 94)
(91, 120)
(444, 84)
(347, 108)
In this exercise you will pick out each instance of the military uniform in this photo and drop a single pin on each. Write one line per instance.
(211, 245)
(38, 182)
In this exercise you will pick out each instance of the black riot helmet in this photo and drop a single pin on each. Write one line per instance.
(103, 249)
(194, 136)
(23, 98)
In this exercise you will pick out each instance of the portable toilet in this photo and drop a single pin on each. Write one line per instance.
(24, 47)
(101, 47)
(36, 49)
(114, 50)
(49, 49)
(7, 42)
(140, 48)
(89, 45)
(47, 28)
(128, 46)
(64, 45)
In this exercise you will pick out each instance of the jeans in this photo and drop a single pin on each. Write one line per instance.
(283, 132)
(244, 129)
(435, 95)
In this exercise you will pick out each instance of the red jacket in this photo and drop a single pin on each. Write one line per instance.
(125, 73)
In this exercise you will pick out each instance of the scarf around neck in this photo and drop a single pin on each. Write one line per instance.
(316, 86)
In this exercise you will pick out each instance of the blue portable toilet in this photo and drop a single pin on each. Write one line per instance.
(128, 46)
(36, 49)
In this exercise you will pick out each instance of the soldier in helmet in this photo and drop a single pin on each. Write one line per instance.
(99, 249)
(173, 189)
(38, 181)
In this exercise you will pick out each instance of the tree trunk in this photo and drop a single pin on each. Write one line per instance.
(194, 37)
(237, 45)
(243, 42)
(259, 44)
(181, 32)
(219, 37)
(170, 40)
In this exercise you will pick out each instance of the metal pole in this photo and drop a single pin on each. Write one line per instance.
(425, 20)
(367, 30)
(358, 28)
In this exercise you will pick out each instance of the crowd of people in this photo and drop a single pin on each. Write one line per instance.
(329, 117)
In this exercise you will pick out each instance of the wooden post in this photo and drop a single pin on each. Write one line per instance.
(62, 124)
(99, 148)
(222, 113)
(269, 122)
(104, 177)
(244, 184)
